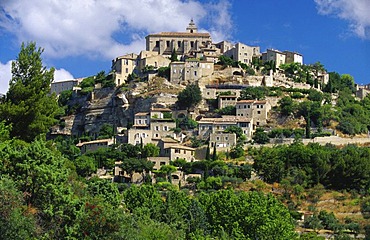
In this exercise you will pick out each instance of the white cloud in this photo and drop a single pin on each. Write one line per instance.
(62, 74)
(354, 11)
(107, 28)
(5, 76)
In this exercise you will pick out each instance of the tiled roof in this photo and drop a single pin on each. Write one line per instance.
(179, 34)
(227, 119)
(108, 140)
(161, 110)
(169, 140)
(181, 147)
(245, 101)
(141, 114)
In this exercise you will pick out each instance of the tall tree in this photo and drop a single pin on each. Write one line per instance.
(28, 106)
(190, 96)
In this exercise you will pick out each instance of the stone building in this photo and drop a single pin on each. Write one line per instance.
(274, 55)
(253, 109)
(181, 42)
(190, 71)
(58, 87)
(150, 58)
(222, 140)
(95, 145)
(293, 57)
(175, 152)
(226, 100)
(123, 66)
(207, 126)
(243, 53)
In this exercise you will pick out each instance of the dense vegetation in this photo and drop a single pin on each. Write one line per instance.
(47, 190)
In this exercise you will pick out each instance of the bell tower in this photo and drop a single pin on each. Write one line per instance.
(191, 27)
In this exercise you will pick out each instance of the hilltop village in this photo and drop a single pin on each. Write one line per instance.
(141, 101)
(188, 139)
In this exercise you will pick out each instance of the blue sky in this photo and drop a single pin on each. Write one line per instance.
(81, 38)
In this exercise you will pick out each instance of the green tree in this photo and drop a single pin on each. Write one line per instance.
(150, 150)
(167, 171)
(190, 96)
(249, 215)
(28, 105)
(287, 106)
(15, 222)
(106, 131)
(85, 165)
(260, 136)
(174, 57)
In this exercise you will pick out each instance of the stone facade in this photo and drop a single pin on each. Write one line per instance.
(190, 71)
(58, 87)
(181, 42)
(274, 55)
(175, 152)
(214, 125)
(293, 57)
(253, 109)
(95, 145)
(243, 53)
(222, 140)
(150, 58)
(123, 66)
(226, 100)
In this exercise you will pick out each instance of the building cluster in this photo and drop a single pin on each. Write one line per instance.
(196, 56)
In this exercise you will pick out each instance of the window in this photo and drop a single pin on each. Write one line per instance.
(156, 128)
(126, 70)
(217, 138)
(143, 135)
(179, 44)
(162, 163)
(195, 73)
(258, 112)
(168, 43)
(226, 138)
(191, 44)
(184, 151)
(156, 135)
(157, 44)
(165, 128)
(177, 150)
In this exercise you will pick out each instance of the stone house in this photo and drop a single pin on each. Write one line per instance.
(137, 136)
(222, 140)
(224, 46)
(274, 55)
(253, 109)
(95, 145)
(179, 152)
(165, 143)
(162, 127)
(150, 58)
(293, 57)
(123, 66)
(190, 71)
(60, 86)
(226, 100)
(206, 126)
(181, 42)
(243, 53)
(159, 161)
(141, 120)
